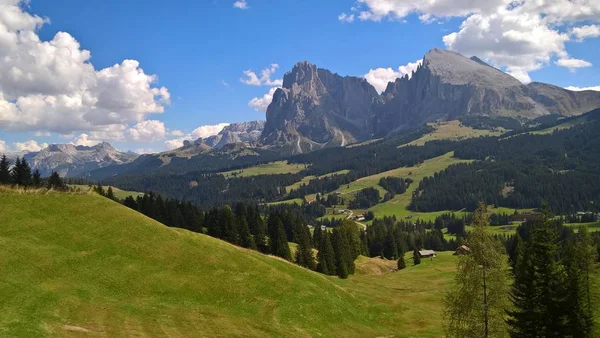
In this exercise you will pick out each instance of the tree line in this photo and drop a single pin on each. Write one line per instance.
(20, 174)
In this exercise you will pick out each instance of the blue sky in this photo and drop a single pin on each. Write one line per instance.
(199, 50)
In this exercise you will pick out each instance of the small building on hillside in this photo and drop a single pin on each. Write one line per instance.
(462, 250)
(426, 253)
(525, 217)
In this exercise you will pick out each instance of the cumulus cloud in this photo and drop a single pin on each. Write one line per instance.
(176, 133)
(573, 64)
(584, 32)
(574, 88)
(380, 77)
(264, 79)
(147, 131)
(3, 147)
(200, 132)
(241, 4)
(261, 104)
(30, 145)
(517, 36)
(52, 85)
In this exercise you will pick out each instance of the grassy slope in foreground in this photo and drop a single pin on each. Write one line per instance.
(73, 263)
(82, 262)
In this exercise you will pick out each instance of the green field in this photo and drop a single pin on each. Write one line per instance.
(80, 264)
(306, 179)
(120, 194)
(562, 126)
(298, 201)
(452, 130)
(399, 204)
(278, 167)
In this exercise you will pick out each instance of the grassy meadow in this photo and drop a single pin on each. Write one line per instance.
(452, 130)
(80, 264)
(273, 168)
(121, 194)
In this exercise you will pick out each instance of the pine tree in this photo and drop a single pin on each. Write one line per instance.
(326, 256)
(401, 263)
(416, 257)
(279, 244)
(304, 255)
(476, 303)
(580, 268)
(230, 231)
(538, 292)
(25, 173)
(15, 173)
(4, 171)
(246, 239)
(109, 193)
(37, 178)
(260, 235)
(344, 261)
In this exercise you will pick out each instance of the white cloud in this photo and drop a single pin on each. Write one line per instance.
(264, 79)
(241, 4)
(200, 132)
(584, 32)
(30, 145)
(577, 89)
(142, 151)
(43, 134)
(147, 131)
(176, 133)
(3, 147)
(346, 17)
(573, 64)
(380, 77)
(52, 86)
(261, 104)
(516, 36)
(85, 140)
(208, 130)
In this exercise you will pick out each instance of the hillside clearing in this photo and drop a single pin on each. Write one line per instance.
(120, 194)
(273, 168)
(452, 130)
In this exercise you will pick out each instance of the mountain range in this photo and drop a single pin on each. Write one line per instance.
(316, 108)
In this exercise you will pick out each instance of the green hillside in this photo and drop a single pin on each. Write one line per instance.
(80, 263)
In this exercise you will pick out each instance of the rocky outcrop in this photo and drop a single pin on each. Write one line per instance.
(244, 132)
(449, 85)
(70, 160)
(317, 108)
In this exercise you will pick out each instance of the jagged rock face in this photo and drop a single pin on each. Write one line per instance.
(244, 132)
(449, 85)
(70, 160)
(316, 108)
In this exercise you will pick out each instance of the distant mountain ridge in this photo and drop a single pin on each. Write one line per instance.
(70, 160)
(246, 132)
(317, 108)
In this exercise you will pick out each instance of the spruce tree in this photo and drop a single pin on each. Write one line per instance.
(401, 263)
(246, 239)
(416, 257)
(37, 178)
(5, 170)
(580, 268)
(110, 194)
(25, 173)
(304, 255)
(230, 230)
(476, 304)
(15, 173)
(538, 292)
(279, 244)
(344, 261)
(326, 256)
